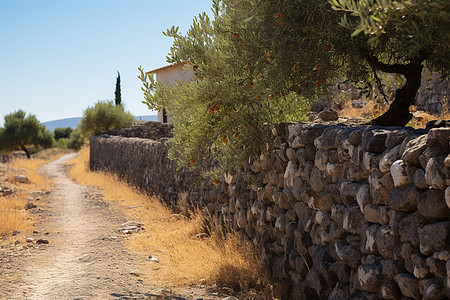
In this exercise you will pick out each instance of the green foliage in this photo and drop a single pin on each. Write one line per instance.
(21, 132)
(74, 141)
(62, 132)
(400, 30)
(104, 116)
(117, 93)
(258, 63)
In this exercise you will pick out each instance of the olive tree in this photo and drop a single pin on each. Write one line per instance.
(21, 131)
(260, 62)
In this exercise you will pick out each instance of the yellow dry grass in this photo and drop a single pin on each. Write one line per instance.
(12, 213)
(13, 216)
(186, 254)
(373, 109)
(369, 111)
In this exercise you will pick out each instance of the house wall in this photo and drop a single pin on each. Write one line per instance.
(171, 74)
(337, 212)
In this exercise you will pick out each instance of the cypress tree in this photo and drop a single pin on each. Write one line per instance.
(118, 96)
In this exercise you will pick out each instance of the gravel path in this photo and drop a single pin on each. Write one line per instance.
(85, 257)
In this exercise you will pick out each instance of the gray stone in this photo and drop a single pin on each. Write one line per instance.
(316, 180)
(328, 115)
(419, 179)
(431, 289)
(363, 197)
(379, 192)
(436, 174)
(421, 269)
(433, 206)
(369, 277)
(322, 201)
(348, 254)
(348, 192)
(409, 228)
(388, 244)
(298, 188)
(406, 252)
(368, 242)
(353, 220)
(414, 149)
(371, 213)
(355, 138)
(433, 237)
(340, 292)
(22, 179)
(405, 199)
(389, 158)
(447, 196)
(430, 153)
(447, 161)
(439, 137)
(394, 220)
(391, 268)
(389, 290)
(409, 285)
(341, 270)
(374, 140)
(396, 137)
(399, 174)
(437, 267)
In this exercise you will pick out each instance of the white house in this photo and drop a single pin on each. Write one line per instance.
(170, 74)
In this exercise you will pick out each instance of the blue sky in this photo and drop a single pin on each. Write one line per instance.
(57, 57)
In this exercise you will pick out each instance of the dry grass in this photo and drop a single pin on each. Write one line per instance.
(369, 111)
(12, 213)
(13, 216)
(186, 254)
(30, 167)
(372, 110)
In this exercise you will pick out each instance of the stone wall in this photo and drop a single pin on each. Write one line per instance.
(337, 212)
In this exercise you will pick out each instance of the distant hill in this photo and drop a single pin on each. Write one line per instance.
(73, 122)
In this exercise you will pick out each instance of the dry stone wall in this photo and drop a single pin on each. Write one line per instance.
(337, 212)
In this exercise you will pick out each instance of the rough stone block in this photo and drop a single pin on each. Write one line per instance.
(439, 137)
(409, 228)
(389, 290)
(399, 175)
(436, 174)
(388, 244)
(414, 148)
(374, 140)
(409, 285)
(447, 196)
(433, 206)
(348, 192)
(368, 241)
(419, 179)
(405, 199)
(369, 277)
(437, 267)
(391, 268)
(388, 158)
(353, 220)
(433, 237)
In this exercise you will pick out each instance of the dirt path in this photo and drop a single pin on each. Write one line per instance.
(85, 257)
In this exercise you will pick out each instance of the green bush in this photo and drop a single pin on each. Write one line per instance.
(104, 116)
(62, 132)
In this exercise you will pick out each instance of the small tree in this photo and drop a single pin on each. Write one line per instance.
(23, 131)
(104, 116)
(117, 94)
(61, 133)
